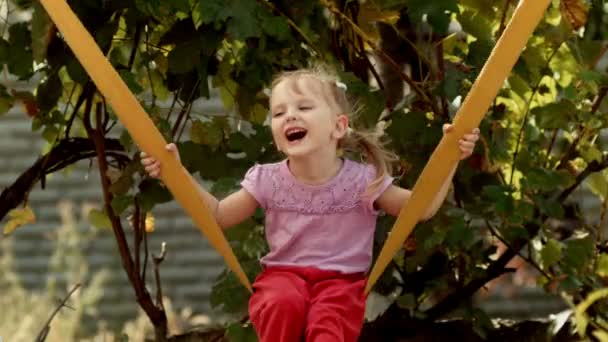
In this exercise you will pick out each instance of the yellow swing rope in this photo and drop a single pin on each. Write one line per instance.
(502, 59)
(140, 126)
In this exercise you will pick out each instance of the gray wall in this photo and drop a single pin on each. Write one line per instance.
(188, 271)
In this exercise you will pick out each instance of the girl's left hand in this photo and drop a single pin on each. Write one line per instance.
(467, 143)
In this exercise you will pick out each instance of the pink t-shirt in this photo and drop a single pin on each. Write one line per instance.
(328, 226)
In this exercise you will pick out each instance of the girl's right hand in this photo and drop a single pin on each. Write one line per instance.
(152, 166)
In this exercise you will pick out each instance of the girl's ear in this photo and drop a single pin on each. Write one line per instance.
(341, 127)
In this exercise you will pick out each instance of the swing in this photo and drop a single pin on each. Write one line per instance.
(502, 59)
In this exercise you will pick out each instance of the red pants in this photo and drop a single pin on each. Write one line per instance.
(292, 304)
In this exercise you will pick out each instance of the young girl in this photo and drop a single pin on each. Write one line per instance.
(320, 208)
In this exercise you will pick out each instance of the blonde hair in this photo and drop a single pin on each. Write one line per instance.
(365, 142)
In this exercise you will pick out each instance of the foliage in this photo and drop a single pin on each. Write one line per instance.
(544, 136)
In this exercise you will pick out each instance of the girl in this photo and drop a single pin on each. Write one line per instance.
(320, 211)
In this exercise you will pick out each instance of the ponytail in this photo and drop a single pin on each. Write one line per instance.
(373, 150)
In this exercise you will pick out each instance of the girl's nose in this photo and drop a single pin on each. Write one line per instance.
(290, 116)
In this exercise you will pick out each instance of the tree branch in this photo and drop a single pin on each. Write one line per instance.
(135, 46)
(528, 109)
(498, 267)
(495, 270)
(592, 167)
(506, 243)
(65, 153)
(444, 101)
(156, 315)
(157, 261)
(47, 326)
(572, 149)
(503, 19)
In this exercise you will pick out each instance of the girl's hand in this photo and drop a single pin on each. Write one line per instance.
(152, 166)
(467, 143)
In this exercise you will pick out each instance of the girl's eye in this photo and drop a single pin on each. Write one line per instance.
(277, 114)
(305, 108)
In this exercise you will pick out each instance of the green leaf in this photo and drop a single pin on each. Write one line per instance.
(479, 51)
(41, 32)
(20, 62)
(407, 301)
(129, 78)
(50, 133)
(548, 180)
(555, 115)
(152, 193)
(252, 147)
(434, 239)
(18, 218)
(577, 254)
(158, 85)
(275, 26)
(185, 56)
(591, 153)
(244, 22)
(120, 203)
(207, 133)
(501, 196)
(180, 5)
(105, 33)
(551, 253)
(20, 59)
(475, 24)
(549, 207)
(20, 34)
(203, 75)
(229, 294)
(126, 140)
(49, 92)
(602, 265)
(598, 183)
(6, 101)
(99, 219)
(122, 185)
(591, 76)
(241, 15)
(239, 333)
(76, 71)
(452, 84)
(460, 234)
(4, 51)
(213, 10)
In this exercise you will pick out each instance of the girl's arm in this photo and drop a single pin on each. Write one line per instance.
(395, 197)
(230, 211)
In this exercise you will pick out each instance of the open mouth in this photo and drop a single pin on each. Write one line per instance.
(295, 134)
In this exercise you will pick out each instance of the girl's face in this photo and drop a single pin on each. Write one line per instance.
(304, 120)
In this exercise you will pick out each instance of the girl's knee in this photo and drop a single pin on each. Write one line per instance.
(287, 301)
(284, 303)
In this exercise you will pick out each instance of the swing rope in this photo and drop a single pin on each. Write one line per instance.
(446, 155)
(140, 126)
